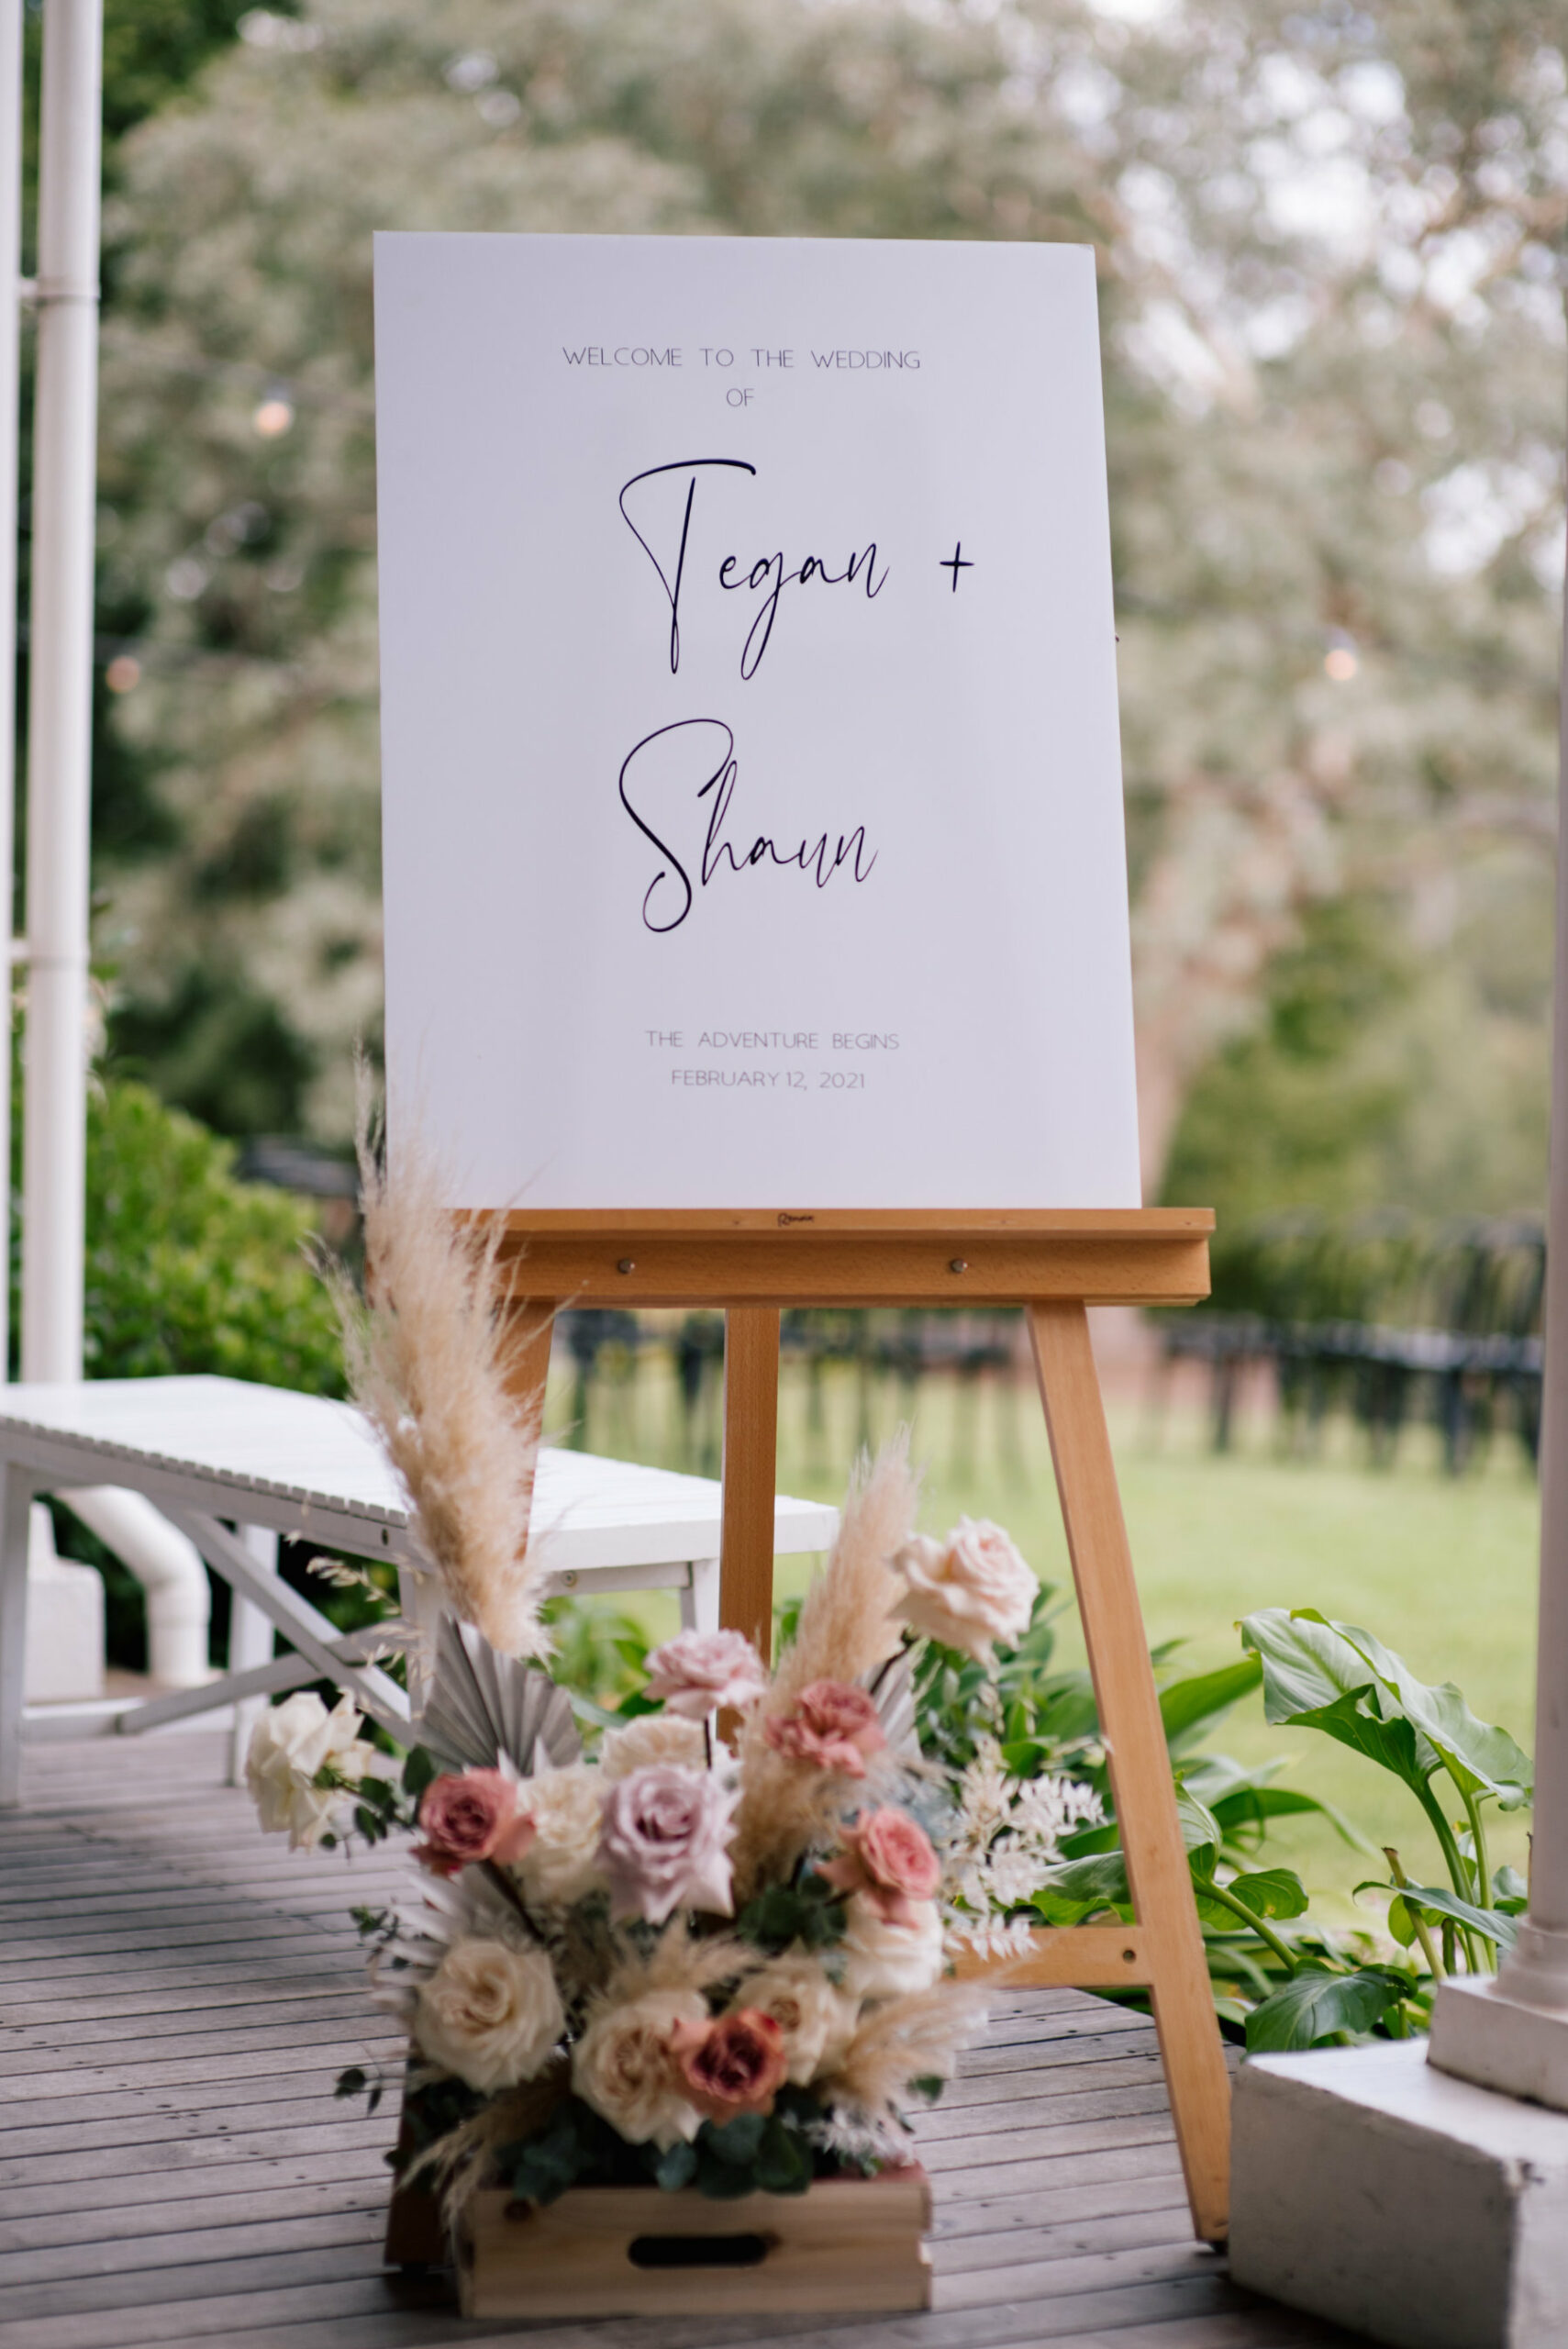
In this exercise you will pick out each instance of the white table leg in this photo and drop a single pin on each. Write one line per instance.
(250, 1644)
(699, 1600)
(16, 1505)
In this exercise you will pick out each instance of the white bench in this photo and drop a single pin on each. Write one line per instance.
(236, 1466)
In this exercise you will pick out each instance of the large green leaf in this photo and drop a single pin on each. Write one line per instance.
(1200, 1829)
(1313, 2006)
(1433, 1902)
(1270, 1892)
(1315, 1679)
(1188, 1707)
(1480, 1758)
(1101, 1880)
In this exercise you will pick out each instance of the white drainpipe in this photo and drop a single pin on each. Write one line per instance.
(169, 1570)
(59, 788)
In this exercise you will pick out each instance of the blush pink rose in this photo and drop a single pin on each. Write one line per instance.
(969, 1590)
(833, 1725)
(734, 2065)
(887, 1856)
(477, 1815)
(662, 1843)
(697, 1672)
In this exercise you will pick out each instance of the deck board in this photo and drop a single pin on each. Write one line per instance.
(177, 1996)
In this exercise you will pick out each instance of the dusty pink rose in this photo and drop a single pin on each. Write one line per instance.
(888, 1856)
(968, 1590)
(832, 1724)
(734, 2065)
(475, 1816)
(697, 1672)
(663, 1841)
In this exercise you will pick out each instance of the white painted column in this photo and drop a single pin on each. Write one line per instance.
(10, 340)
(60, 690)
(1512, 2033)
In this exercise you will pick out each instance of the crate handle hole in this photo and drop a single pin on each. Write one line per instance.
(699, 2251)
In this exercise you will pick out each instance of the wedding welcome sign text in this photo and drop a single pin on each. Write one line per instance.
(752, 823)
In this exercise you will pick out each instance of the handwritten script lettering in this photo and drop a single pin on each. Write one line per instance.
(687, 763)
(768, 574)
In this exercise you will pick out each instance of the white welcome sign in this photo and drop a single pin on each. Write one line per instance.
(752, 805)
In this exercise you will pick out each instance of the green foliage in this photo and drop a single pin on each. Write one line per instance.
(1291, 418)
(1315, 2005)
(1277, 1973)
(755, 2154)
(807, 1911)
(1038, 1716)
(601, 1653)
(221, 1049)
(190, 1270)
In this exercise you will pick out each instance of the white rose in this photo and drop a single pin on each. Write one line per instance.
(490, 2014)
(624, 2066)
(969, 1590)
(290, 1745)
(818, 2022)
(652, 1738)
(888, 1961)
(559, 1865)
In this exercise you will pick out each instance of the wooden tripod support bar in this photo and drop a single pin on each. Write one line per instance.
(1055, 1265)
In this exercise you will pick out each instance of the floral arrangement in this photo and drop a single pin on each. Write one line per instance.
(709, 1946)
(714, 1950)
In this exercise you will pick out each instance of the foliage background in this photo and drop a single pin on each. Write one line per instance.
(1329, 250)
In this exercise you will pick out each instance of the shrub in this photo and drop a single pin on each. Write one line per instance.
(189, 1269)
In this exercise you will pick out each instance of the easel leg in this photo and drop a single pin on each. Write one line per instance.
(751, 1462)
(1139, 1766)
(531, 1326)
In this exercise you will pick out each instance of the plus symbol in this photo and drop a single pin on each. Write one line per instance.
(955, 563)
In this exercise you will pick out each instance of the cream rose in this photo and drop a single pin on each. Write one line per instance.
(624, 2066)
(489, 2013)
(558, 1867)
(290, 1746)
(652, 1738)
(818, 2022)
(969, 1590)
(883, 1960)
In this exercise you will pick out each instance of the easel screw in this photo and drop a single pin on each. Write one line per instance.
(625, 1265)
(958, 1264)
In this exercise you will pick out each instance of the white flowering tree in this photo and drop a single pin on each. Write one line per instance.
(1334, 355)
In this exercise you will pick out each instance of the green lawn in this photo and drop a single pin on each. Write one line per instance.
(1443, 1570)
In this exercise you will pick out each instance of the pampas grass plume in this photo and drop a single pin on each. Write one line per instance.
(848, 1626)
(913, 2038)
(427, 1359)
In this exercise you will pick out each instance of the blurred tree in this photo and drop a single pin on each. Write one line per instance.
(1333, 333)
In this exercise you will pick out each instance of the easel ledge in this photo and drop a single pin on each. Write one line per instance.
(861, 1256)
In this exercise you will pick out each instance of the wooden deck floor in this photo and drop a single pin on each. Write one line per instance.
(177, 1996)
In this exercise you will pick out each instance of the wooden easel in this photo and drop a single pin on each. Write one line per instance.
(1055, 1265)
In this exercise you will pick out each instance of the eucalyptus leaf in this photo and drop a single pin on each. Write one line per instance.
(676, 2166)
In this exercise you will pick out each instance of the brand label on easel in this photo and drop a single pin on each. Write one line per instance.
(752, 823)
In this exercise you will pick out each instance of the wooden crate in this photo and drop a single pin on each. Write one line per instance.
(844, 2246)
